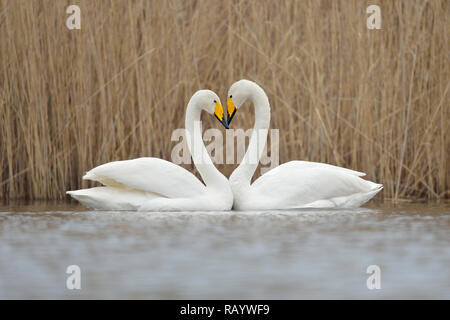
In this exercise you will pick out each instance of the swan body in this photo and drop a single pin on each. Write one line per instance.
(295, 184)
(152, 184)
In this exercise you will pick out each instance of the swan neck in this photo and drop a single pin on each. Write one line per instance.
(244, 172)
(200, 156)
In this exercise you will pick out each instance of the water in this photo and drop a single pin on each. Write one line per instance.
(298, 254)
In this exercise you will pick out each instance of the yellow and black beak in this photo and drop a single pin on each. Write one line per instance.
(231, 110)
(219, 114)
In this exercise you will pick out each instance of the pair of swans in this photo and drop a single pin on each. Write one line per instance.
(151, 184)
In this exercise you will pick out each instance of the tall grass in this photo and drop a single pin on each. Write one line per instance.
(371, 100)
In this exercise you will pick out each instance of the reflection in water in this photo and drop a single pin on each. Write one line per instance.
(274, 254)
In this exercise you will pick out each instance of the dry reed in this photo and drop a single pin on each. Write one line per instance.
(371, 100)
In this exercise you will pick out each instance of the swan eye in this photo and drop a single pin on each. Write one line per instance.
(231, 96)
(215, 101)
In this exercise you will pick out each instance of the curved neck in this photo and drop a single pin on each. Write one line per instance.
(243, 174)
(202, 161)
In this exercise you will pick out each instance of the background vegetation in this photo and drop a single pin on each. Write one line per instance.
(371, 100)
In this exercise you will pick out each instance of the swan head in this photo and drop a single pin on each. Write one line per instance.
(237, 95)
(208, 101)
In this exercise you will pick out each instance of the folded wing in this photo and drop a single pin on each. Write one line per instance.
(300, 183)
(153, 175)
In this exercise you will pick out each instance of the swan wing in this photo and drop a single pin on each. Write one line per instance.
(299, 183)
(153, 175)
(111, 198)
(298, 165)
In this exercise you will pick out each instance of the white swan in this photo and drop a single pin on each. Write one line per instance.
(295, 184)
(151, 184)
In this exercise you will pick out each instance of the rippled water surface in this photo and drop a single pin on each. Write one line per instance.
(240, 255)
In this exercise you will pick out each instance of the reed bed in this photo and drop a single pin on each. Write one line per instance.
(372, 100)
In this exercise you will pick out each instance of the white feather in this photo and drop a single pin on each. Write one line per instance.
(294, 184)
(151, 184)
(148, 174)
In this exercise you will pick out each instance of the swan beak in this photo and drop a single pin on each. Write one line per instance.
(219, 114)
(231, 109)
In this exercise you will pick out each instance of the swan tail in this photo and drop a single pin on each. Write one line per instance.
(90, 176)
(352, 201)
(108, 198)
(358, 199)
